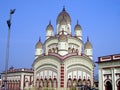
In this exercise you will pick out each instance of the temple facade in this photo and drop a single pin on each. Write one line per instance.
(63, 60)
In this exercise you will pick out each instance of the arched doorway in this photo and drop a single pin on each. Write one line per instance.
(118, 85)
(45, 82)
(37, 83)
(55, 83)
(41, 82)
(50, 82)
(108, 85)
(74, 82)
(69, 83)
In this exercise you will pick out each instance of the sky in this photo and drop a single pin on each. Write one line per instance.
(99, 19)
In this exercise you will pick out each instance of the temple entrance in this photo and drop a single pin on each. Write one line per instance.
(108, 85)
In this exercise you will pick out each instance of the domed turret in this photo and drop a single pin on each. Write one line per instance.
(49, 27)
(39, 44)
(77, 26)
(62, 44)
(88, 48)
(63, 22)
(49, 30)
(88, 45)
(78, 31)
(38, 49)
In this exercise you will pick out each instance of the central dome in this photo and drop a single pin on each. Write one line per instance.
(64, 15)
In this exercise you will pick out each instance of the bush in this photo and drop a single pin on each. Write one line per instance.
(72, 88)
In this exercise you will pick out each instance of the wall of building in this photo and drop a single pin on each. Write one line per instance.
(18, 79)
(109, 72)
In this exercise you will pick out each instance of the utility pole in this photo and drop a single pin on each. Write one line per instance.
(7, 48)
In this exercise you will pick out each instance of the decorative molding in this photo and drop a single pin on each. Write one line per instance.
(109, 58)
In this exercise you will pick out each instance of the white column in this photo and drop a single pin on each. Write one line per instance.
(91, 78)
(46, 50)
(113, 79)
(58, 76)
(101, 80)
(22, 81)
(65, 76)
(34, 77)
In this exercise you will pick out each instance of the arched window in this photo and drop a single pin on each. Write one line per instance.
(79, 82)
(37, 83)
(56, 50)
(53, 50)
(73, 50)
(8, 83)
(88, 82)
(77, 51)
(50, 82)
(69, 50)
(12, 84)
(41, 82)
(15, 85)
(55, 82)
(49, 51)
(45, 82)
(118, 84)
(84, 82)
(69, 83)
(18, 85)
(118, 87)
(74, 82)
(68, 29)
(108, 85)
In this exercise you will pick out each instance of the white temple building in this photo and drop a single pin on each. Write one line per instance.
(63, 60)
(17, 79)
(109, 72)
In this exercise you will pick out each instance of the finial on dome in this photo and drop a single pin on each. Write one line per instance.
(87, 39)
(50, 22)
(63, 8)
(77, 21)
(39, 39)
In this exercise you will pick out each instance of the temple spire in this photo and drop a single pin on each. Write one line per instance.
(50, 22)
(12, 11)
(77, 22)
(87, 39)
(63, 8)
(39, 39)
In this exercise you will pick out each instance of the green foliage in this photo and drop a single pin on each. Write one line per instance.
(72, 88)
(47, 88)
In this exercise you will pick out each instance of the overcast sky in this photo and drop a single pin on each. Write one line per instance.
(99, 19)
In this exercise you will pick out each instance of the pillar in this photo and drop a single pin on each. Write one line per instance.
(62, 76)
(101, 83)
